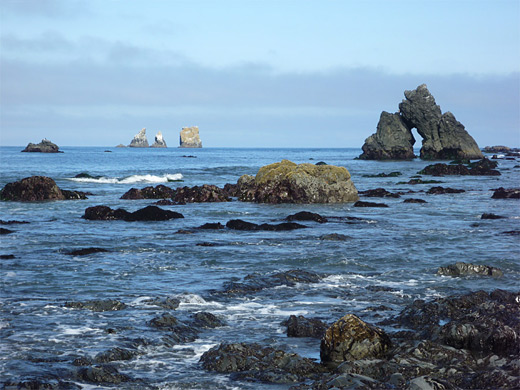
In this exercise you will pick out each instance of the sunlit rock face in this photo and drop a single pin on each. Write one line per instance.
(190, 137)
(139, 140)
(159, 141)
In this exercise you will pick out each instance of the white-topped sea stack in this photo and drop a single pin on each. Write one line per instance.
(159, 141)
(139, 140)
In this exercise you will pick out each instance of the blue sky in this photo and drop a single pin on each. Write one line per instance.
(252, 73)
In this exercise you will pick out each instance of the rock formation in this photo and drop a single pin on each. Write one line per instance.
(37, 188)
(287, 182)
(443, 136)
(190, 137)
(159, 141)
(139, 140)
(45, 146)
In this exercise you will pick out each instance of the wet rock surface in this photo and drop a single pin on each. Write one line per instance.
(467, 269)
(307, 216)
(102, 374)
(199, 194)
(158, 192)
(503, 193)
(287, 182)
(378, 193)
(86, 251)
(97, 305)
(255, 362)
(361, 203)
(414, 200)
(149, 213)
(482, 167)
(444, 190)
(37, 188)
(299, 326)
(45, 146)
(491, 216)
(238, 224)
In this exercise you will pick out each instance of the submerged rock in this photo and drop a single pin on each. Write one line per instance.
(378, 193)
(335, 237)
(299, 326)
(97, 305)
(287, 182)
(207, 320)
(255, 362)
(37, 188)
(253, 283)
(467, 269)
(159, 141)
(414, 200)
(139, 140)
(502, 193)
(149, 213)
(383, 174)
(491, 216)
(360, 203)
(86, 251)
(45, 146)
(350, 339)
(190, 137)
(6, 231)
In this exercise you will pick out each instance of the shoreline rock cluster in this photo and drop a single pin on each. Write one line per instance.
(444, 138)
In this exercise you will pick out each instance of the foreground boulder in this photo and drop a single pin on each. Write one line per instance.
(444, 138)
(287, 182)
(350, 339)
(45, 146)
(139, 140)
(149, 213)
(467, 269)
(190, 137)
(37, 188)
(254, 362)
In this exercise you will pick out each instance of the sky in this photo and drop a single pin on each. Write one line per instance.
(264, 73)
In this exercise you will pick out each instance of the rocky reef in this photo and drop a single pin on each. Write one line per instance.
(443, 136)
(45, 146)
(139, 140)
(287, 182)
(37, 188)
(190, 137)
(159, 141)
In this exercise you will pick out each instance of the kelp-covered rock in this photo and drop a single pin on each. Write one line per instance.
(37, 188)
(45, 146)
(287, 182)
(350, 338)
(255, 362)
(468, 269)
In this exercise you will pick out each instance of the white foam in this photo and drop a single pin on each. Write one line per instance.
(75, 331)
(194, 300)
(130, 179)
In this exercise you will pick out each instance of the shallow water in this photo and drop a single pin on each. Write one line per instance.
(398, 248)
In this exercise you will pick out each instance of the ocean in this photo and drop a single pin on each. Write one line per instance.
(388, 258)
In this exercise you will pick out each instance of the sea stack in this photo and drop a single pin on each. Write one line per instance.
(190, 137)
(444, 138)
(45, 146)
(159, 141)
(139, 140)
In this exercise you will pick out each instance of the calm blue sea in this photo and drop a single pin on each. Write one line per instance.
(398, 249)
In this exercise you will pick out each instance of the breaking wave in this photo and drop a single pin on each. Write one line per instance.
(85, 178)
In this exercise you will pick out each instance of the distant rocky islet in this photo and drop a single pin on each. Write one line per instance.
(189, 138)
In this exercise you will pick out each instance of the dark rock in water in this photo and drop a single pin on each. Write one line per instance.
(512, 233)
(101, 374)
(393, 140)
(37, 188)
(391, 174)
(414, 200)
(45, 146)
(11, 222)
(287, 182)
(335, 237)
(39, 385)
(97, 305)
(166, 202)
(253, 283)
(299, 326)
(208, 244)
(467, 269)
(199, 194)
(502, 193)
(420, 181)
(212, 226)
(207, 320)
(482, 167)
(378, 193)
(360, 203)
(238, 224)
(115, 354)
(478, 321)
(321, 163)
(306, 216)
(168, 303)
(350, 339)
(85, 175)
(86, 251)
(165, 321)
(6, 231)
(82, 361)
(178, 332)
(254, 362)
(443, 136)
(491, 216)
(158, 192)
(7, 257)
(149, 213)
(444, 190)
